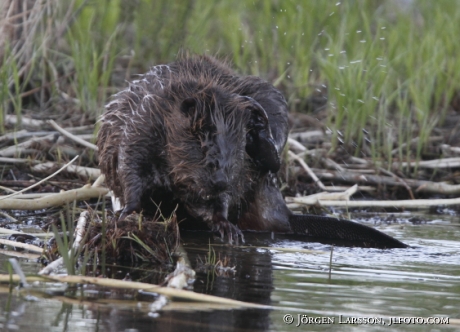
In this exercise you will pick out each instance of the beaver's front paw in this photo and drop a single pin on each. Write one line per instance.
(128, 209)
(226, 227)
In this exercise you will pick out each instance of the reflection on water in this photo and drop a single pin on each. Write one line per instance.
(423, 281)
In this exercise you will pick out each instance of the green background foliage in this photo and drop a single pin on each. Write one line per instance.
(389, 69)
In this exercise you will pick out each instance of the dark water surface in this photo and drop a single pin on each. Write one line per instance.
(292, 276)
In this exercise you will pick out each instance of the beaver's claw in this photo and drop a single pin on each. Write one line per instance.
(226, 227)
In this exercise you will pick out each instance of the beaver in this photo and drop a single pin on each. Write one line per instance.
(195, 138)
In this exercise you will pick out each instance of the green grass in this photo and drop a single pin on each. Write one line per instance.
(390, 71)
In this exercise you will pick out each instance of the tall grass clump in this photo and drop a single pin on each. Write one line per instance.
(386, 70)
(389, 75)
(51, 48)
(93, 57)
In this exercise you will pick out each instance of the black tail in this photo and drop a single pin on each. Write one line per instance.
(342, 230)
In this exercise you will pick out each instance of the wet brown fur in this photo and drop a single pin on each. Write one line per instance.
(155, 153)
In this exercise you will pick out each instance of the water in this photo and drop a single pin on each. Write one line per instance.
(366, 284)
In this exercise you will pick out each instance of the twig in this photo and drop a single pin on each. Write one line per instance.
(71, 136)
(78, 236)
(52, 200)
(403, 181)
(170, 292)
(419, 185)
(80, 229)
(7, 189)
(124, 284)
(88, 172)
(436, 163)
(332, 164)
(307, 169)
(330, 263)
(26, 255)
(7, 216)
(18, 161)
(19, 148)
(32, 196)
(295, 145)
(10, 231)
(46, 235)
(100, 179)
(417, 204)
(13, 119)
(26, 246)
(41, 181)
(448, 150)
(307, 135)
(315, 198)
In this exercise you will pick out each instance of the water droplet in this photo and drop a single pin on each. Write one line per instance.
(356, 61)
(362, 41)
(303, 33)
(331, 14)
(382, 38)
(330, 54)
(358, 31)
(337, 89)
(288, 63)
(276, 26)
(342, 52)
(338, 3)
(375, 98)
(383, 28)
(380, 59)
(289, 76)
(326, 49)
(362, 102)
(285, 33)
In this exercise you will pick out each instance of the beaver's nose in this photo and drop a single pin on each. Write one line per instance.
(219, 181)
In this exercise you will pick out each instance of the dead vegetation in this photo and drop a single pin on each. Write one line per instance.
(32, 147)
(135, 239)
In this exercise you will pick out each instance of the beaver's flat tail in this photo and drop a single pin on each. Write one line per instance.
(342, 230)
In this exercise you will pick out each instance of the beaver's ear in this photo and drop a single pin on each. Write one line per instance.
(260, 145)
(188, 106)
